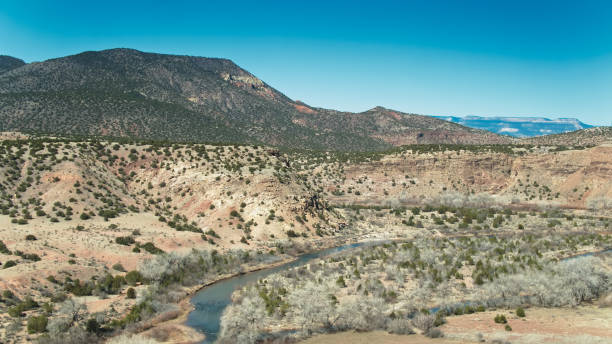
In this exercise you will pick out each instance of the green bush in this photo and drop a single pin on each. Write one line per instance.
(131, 293)
(125, 240)
(4, 249)
(151, 248)
(520, 312)
(500, 319)
(508, 328)
(133, 277)
(37, 324)
(92, 326)
(9, 264)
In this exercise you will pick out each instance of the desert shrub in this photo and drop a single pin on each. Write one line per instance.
(3, 248)
(26, 305)
(30, 237)
(520, 312)
(424, 322)
(125, 240)
(118, 267)
(133, 277)
(58, 325)
(92, 325)
(37, 324)
(77, 288)
(9, 264)
(399, 326)
(508, 327)
(364, 314)
(434, 333)
(131, 293)
(500, 319)
(151, 248)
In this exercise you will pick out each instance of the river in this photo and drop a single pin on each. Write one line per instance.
(210, 302)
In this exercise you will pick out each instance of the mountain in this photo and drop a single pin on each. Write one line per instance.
(519, 126)
(128, 93)
(8, 63)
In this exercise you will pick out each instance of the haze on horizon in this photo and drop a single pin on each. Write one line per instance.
(431, 57)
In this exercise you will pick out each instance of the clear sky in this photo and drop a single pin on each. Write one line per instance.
(463, 57)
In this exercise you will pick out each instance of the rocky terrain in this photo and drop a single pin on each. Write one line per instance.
(128, 93)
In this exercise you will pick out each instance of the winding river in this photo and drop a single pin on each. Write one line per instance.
(210, 302)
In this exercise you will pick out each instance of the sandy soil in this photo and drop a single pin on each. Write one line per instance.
(379, 337)
(584, 324)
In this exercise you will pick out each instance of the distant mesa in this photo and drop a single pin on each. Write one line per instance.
(519, 126)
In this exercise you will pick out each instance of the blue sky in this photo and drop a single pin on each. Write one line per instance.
(512, 58)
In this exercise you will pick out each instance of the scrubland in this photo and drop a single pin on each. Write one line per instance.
(99, 237)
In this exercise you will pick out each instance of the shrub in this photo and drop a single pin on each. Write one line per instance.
(500, 319)
(424, 322)
(15, 311)
(30, 237)
(434, 333)
(133, 277)
(92, 326)
(4, 249)
(37, 324)
(520, 312)
(151, 248)
(118, 267)
(125, 240)
(508, 327)
(9, 264)
(131, 293)
(399, 326)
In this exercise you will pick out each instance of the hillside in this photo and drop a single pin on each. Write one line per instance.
(128, 93)
(8, 63)
(519, 126)
(585, 137)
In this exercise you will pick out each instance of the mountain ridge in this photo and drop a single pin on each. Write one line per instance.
(126, 92)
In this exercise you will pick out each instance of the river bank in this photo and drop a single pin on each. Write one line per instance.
(174, 327)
